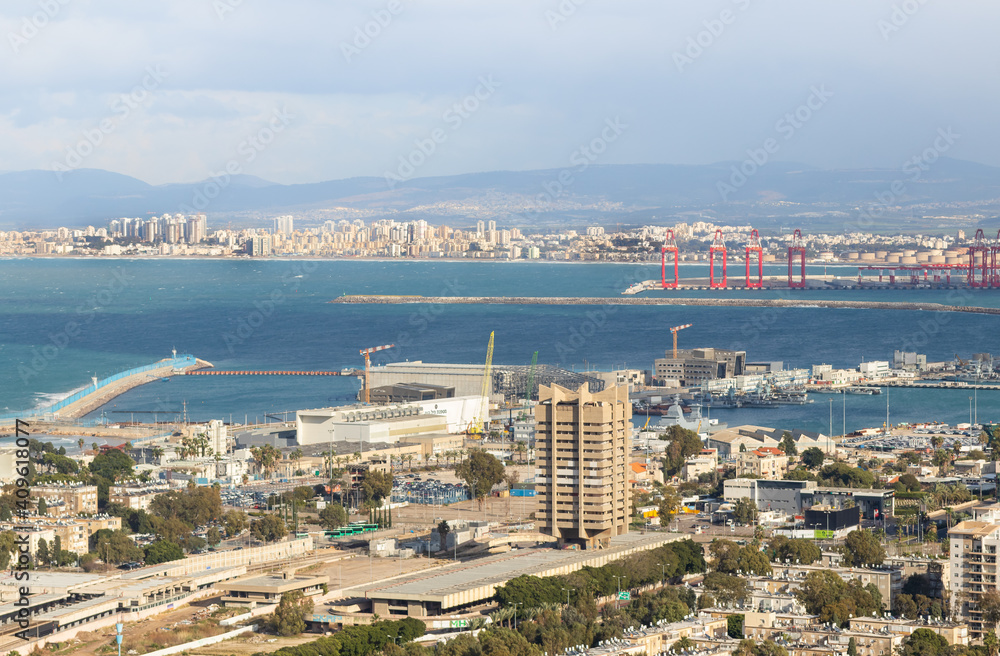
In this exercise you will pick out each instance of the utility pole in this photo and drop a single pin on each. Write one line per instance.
(618, 599)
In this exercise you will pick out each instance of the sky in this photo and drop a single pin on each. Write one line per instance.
(309, 90)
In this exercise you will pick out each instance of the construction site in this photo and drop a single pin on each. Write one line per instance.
(976, 267)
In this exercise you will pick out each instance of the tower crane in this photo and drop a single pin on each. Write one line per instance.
(674, 331)
(531, 383)
(367, 353)
(483, 418)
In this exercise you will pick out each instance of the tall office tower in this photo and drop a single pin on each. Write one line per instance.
(480, 229)
(582, 450)
(492, 226)
(285, 224)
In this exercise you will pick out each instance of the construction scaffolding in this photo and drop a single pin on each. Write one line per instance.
(512, 380)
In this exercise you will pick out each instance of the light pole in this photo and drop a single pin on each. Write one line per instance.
(567, 595)
(515, 614)
(663, 572)
(618, 599)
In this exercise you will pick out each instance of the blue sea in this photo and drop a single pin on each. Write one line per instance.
(65, 320)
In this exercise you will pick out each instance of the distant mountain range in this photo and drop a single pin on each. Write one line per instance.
(619, 193)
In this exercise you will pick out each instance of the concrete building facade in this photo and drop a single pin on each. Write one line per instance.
(582, 450)
(695, 366)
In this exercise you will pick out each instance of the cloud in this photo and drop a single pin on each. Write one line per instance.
(561, 79)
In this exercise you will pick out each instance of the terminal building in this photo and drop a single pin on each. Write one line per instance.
(582, 451)
(388, 424)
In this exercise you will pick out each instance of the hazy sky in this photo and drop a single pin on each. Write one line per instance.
(548, 75)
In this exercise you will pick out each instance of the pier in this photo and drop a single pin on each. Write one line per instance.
(103, 391)
(214, 372)
(632, 300)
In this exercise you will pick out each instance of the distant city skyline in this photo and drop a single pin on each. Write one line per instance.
(304, 91)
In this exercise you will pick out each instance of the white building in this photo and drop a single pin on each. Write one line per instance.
(388, 423)
(874, 369)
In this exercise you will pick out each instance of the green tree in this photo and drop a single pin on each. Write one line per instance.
(683, 443)
(43, 508)
(42, 555)
(669, 504)
(115, 547)
(745, 511)
(924, 642)
(863, 548)
(235, 522)
(991, 643)
(813, 457)
(787, 444)
(268, 528)
(163, 551)
(734, 626)
(213, 536)
(825, 594)
(443, 529)
(375, 487)
(289, 617)
(852, 647)
(333, 516)
(480, 472)
(804, 552)
(112, 465)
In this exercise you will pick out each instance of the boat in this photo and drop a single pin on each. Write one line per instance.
(868, 391)
(675, 417)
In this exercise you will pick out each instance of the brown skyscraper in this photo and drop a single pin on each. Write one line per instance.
(582, 443)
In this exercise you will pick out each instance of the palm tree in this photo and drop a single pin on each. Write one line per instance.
(80, 443)
(157, 453)
(409, 461)
(94, 446)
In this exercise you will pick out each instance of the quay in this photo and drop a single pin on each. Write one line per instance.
(632, 300)
(100, 392)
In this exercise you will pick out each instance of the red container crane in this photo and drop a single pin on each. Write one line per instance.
(797, 251)
(979, 261)
(753, 248)
(669, 246)
(718, 247)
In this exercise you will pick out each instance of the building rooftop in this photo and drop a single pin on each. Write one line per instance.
(465, 583)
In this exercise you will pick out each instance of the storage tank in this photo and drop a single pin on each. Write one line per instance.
(909, 253)
(853, 255)
(768, 257)
(881, 255)
(826, 255)
(954, 260)
(868, 257)
(894, 259)
(923, 256)
(908, 259)
(937, 259)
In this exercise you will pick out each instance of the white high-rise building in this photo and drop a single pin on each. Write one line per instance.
(285, 224)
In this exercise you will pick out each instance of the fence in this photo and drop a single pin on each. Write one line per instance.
(179, 362)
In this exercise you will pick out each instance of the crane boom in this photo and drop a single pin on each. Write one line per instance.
(484, 409)
(674, 331)
(367, 353)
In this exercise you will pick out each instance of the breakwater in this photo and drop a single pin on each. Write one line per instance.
(615, 300)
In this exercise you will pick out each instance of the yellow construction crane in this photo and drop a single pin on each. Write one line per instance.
(368, 368)
(483, 419)
(674, 331)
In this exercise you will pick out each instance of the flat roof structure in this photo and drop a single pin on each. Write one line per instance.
(466, 584)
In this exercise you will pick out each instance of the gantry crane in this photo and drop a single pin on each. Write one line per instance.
(483, 418)
(674, 331)
(368, 367)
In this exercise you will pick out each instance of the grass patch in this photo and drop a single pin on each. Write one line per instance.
(171, 636)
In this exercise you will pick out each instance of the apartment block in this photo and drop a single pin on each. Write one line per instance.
(66, 499)
(582, 450)
(766, 462)
(973, 561)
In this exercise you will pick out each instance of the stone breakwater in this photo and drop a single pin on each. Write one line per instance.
(615, 300)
